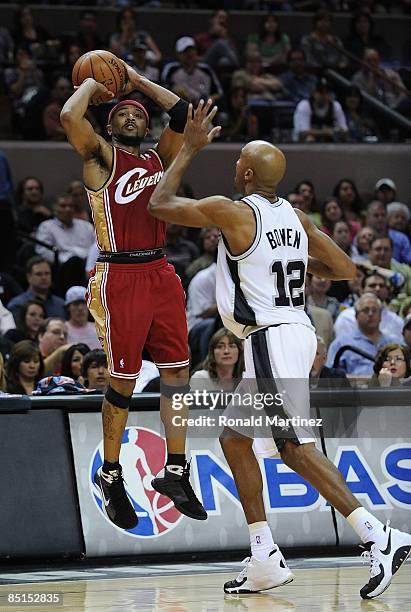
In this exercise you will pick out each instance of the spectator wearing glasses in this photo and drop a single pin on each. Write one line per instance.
(366, 337)
(391, 324)
(53, 344)
(392, 365)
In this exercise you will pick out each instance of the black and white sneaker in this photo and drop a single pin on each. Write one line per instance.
(261, 575)
(384, 563)
(174, 482)
(114, 500)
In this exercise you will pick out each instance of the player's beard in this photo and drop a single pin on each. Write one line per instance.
(130, 140)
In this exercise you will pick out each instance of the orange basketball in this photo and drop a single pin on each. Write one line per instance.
(102, 66)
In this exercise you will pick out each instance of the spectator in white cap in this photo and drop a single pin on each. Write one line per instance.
(80, 329)
(385, 190)
(189, 78)
(398, 217)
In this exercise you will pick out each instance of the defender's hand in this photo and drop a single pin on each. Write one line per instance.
(197, 133)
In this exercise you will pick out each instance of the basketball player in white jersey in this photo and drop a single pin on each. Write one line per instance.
(265, 250)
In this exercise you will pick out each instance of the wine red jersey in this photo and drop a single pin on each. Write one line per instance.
(119, 208)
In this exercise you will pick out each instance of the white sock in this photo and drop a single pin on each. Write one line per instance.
(261, 540)
(366, 526)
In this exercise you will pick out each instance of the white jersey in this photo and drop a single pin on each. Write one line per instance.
(265, 285)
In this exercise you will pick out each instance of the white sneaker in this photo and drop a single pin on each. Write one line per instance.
(261, 575)
(385, 562)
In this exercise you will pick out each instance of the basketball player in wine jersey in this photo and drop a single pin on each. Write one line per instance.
(264, 252)
(135, 296)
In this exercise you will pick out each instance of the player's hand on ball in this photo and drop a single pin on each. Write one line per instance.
(197, 133)
(101, 94)
(132, 79)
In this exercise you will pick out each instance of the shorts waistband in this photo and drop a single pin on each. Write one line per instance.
(131, 257)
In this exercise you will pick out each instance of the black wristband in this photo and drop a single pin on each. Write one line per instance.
(178, 116)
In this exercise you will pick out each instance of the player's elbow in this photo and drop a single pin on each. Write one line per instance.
(156, 206)
(66, 117)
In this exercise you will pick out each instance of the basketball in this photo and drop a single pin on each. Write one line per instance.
(102, 66)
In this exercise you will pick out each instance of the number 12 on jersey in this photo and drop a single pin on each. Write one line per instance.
(288, 282)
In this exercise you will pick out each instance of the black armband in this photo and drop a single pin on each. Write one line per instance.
(178, 116)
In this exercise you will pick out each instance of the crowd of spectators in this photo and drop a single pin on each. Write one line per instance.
(47, 252)
(46, 330)
(270, 84)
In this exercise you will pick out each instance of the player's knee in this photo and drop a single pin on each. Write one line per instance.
(231, 440)
(117, 399)
(296, 456)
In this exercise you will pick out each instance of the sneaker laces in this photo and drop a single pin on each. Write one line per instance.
(116, 482)
(369, 556)
(185, 481)
(243, 573)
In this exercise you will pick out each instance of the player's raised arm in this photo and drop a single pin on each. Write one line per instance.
(165, 204)
(172, 137)
(326, 259)
(79, 130)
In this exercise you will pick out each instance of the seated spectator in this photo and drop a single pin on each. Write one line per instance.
(320, 118)
(202, 312)
(376, 218)
(362, 243)
(73, 239)
(271, 43)
(398, 217)
(406, 331)
(319, 317)
(87, 36)
(385, 190)
(392, 365)
(95, 371)
(80, 200)
(309, 204)
(321, 47)
(381, 83)
(367, 337)
(180, 252)
(79, 328)
(332, 212)
(224, 364)
(24, 368)
(361, 128)
(53, 344)
(138, 59)
(341, 234)
(321, 375)
(380, 258)
(318, 296)
(209, 241)
(257, 83)
(241, 124)
(189, 78)
(354, 289)
(31, 207)
(390, 325)
(60, 93)
(30, 317)
(122, 41)
(216, 47)
(72, 361)
(298, 84)
(23, 81)
(38, 274)
(73, 52)
(362, 36)
(6, 46)
(30, 36)
(348, 197)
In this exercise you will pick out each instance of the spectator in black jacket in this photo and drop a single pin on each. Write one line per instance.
(321, 375)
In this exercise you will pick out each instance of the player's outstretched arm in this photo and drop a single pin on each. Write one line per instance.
(165, 204)
(79, 130)
(172, 137)
(326, 259)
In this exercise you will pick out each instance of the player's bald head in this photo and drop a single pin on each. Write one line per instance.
(261, 164)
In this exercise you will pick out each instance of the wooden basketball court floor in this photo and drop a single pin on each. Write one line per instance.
(320, 585)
